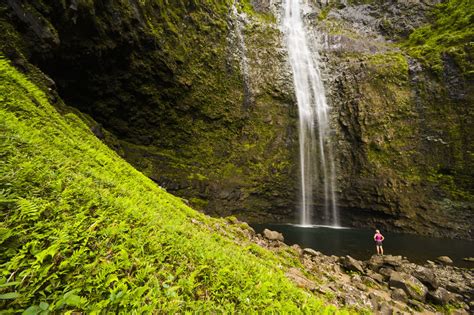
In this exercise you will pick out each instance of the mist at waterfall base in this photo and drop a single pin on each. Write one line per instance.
(359, 244)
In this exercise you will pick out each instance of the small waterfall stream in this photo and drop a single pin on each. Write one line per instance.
(316, 156)
(238, 20)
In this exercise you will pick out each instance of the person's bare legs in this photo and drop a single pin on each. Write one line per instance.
(379, 249)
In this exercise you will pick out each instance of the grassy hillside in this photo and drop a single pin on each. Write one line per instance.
(83, 230)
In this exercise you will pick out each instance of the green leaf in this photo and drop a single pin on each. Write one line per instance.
(5, 234)
(9, 296)
(44, 306)
(9, 284)
(50, 251)
(72, 299)
(32, 310)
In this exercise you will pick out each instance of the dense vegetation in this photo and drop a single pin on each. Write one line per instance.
(83, 230)
(452, 32)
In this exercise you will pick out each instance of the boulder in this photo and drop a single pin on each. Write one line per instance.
(350, 264)
(430, 264)
(385, 309)
(399, 295)
(361, 286)
(441, 296)
(411, 285)
(350, 300)
(417, 305)
(375, 262)
(386, 272)
(370, 282)
(324, 290)
(376, 276)
(445, 260)
(427, 277)
(311, 252)
(297, 249)
(455, 287)
(394, 261)
(273, 235)
(299, 279)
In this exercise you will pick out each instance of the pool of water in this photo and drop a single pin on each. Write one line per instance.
(359, 243)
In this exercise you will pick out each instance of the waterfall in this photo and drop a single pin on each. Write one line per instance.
(315, 152)
(239, 25)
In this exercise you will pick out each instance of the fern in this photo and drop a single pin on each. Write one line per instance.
(75, 215)
(28, 209)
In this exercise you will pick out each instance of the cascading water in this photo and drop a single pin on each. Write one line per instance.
(238, 21)
(316, 157)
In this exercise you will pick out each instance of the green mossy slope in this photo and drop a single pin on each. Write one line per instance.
(83, 230)
(451, 33)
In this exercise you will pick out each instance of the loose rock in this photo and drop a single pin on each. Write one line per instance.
(311, 252)
(445, 260)
(273, 235)
(350, 264)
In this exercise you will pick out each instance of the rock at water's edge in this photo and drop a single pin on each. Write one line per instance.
(273, 235)
(445, 260)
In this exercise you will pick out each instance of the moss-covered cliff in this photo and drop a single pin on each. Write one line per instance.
(166, 80)
(404, 104)
(198, 95)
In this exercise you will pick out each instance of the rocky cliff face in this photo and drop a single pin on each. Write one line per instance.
(199, 97)
(404, 135)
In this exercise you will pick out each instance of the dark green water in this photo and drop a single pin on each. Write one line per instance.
(359, 243)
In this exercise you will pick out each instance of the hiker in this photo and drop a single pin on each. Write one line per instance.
(378, 238)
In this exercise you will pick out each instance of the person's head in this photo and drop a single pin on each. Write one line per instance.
(377, 231)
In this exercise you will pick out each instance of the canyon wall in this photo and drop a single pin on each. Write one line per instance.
(199, 96)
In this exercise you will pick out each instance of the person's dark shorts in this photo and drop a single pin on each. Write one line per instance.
(378, 243)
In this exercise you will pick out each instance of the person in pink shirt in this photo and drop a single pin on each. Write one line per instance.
(378, 238)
